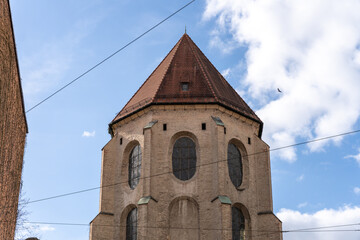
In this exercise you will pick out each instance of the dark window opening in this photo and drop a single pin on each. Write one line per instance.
(164, 127)
(185, 86)
(234, 165)
(203, 126)
(134, 166)
(224, 130)
(249, 140)
(120, 141)
(131, 225)
(238, 224)
(184, 158)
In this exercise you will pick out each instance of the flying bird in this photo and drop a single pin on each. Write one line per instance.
(279, 90)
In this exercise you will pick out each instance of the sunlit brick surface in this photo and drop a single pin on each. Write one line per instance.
(12, 126)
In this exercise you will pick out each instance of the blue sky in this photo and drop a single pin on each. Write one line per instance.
(308, 49)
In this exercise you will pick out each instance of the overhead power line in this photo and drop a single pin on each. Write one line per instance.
(107, 58)
(197, 166)
(316, 140)
(324, 227)
(305, 230)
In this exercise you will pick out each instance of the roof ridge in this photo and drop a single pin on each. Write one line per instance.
(167, 68)
(186, 62)
(152, 73)
(207, 73)
(202, 69)
(222, 79)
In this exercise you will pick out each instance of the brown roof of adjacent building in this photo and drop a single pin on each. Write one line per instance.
(186, 65)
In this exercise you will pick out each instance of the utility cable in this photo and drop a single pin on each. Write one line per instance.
(324, 227)
(314, 229)
(197, 166)
(107, 58)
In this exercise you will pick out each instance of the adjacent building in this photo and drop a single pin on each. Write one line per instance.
(13, 126)
(186, 160)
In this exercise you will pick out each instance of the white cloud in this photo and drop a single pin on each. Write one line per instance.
(31, 230)
(356, 157)
(327, 217)
(357, 190)
(88, 134)
(226, 72)
(43, 69)
(46, 228)
(301, 205)
(226, 47)
(310, 50)
(300, 178)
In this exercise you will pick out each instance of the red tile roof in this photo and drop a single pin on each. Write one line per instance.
(185, 63)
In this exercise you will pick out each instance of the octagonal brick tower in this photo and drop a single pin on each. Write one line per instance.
(186, 160)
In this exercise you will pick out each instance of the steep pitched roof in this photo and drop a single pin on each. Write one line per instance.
(185, 63)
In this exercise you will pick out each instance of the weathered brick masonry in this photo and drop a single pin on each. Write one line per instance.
(13, 127)
(197, 176)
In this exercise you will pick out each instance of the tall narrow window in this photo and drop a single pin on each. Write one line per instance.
(238, 224)
(134, 166)
(184, 158)
(131, 225)
(234, 165)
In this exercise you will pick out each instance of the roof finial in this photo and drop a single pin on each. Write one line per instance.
(185, 28)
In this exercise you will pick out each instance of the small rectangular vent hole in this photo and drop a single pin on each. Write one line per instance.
(164, 127)
(185, 86)
(203, 126)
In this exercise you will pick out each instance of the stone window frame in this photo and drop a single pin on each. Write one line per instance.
(134, 166)
(173, 139)
(245, 163)
(184, 157)
(124, 172)
(246, 234)
(123, 220)
(131, 224)
(235, 164)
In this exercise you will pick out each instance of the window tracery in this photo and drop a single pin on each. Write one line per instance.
(184, 158)
(134, 166)
(235, 165)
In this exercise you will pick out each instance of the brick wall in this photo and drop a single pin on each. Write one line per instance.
(13, 126)
(192, 204)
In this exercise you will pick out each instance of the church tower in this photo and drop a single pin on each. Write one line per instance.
(186, 160)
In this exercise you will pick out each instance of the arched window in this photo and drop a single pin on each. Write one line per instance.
(184, 158)
(234, 165)
(131, 225)
(238, 224)
(134, 166)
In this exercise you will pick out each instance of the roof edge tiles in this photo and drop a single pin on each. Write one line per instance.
(223, 97)
(186, 63)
